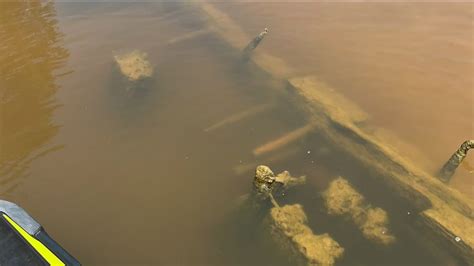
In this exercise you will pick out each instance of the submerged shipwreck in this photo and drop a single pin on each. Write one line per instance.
(440, 213)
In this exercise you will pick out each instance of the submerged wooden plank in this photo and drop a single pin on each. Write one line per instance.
(240, 116)
(189, 36)
(335, 105)
(284, 140)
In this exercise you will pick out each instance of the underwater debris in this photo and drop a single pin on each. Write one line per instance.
(342, 199)
(254, 43)
(456, 159)
(443, 211)
(288, 229)
(240, 116)
(190, 36)
(224, 27)
(135, 65)
(265, 181)
(284, 140)
(288, 181)
(285, 228)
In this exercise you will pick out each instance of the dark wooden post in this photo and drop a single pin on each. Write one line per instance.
(254, 43)
(450, 166)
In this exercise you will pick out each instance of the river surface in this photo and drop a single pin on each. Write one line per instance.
(150, 177)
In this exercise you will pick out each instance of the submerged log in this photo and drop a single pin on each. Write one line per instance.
(456, 159)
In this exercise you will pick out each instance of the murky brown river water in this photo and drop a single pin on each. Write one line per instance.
(136, 179)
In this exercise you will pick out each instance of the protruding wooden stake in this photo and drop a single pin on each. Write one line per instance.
(254, 43)
(450, 166)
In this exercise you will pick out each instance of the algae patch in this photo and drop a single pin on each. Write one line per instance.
(134, 65)
(342, 199)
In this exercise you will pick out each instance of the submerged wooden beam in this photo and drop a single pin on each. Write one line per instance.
(284, 140)
(240, 116)
(339, 121)
(189, 36)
